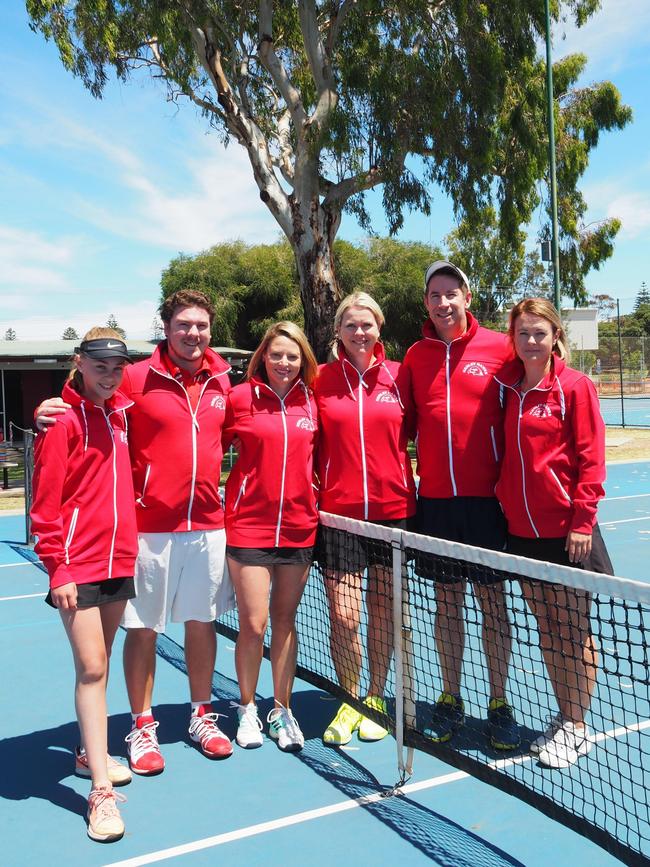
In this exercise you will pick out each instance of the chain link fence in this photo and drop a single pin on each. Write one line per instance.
(620, 371)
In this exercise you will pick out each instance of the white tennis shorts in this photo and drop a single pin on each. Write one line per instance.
(179, 577)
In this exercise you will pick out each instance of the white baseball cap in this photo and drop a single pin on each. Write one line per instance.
(438, 266)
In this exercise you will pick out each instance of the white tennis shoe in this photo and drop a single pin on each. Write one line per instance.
(566, 746)
(249, 732)
(284, 729)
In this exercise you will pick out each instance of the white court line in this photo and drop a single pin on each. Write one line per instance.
(625, 521)
(15, 565)
(626, 497)
(342, 806)
(26, 596)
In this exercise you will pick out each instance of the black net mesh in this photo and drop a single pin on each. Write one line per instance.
(393, 615)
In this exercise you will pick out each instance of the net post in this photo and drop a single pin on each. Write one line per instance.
(28, 473)
(410, 720)
(405, 766)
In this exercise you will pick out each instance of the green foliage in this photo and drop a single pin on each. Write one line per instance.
(606, 305)
(112, 322)
(396, 281)
(10, 334)
(459, 85)
(493, 264)
(251, 286)
(582, 115)
(642, 298)
(69, 334)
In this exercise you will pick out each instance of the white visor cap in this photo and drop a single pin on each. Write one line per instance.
(438, 266)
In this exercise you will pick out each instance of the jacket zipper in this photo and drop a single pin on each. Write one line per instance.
(449, 445)
(70, 536)
(494, 444)
(144, 486)
(559, 484)
(284, 470)
(193, 414)
(364, 468)
(242, 491)
(521, 458)
(112, 551)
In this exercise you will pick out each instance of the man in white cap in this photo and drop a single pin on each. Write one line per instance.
(460, 441)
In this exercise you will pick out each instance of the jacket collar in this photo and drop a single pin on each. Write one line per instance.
(378, 355)
(512, 373)
(259, 387)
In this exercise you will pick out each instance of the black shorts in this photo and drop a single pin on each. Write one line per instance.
(271, 556)
(97, 593)
(477, 521)
(553, 551)
(338, 551)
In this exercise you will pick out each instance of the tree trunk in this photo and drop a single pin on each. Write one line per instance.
(313, 246)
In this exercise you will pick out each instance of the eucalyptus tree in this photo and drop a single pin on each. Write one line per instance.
(332, 99)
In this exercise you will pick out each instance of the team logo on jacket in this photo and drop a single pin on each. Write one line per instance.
(306, 424)
(386, 397)
(123, 436)
(218, 402)
(542, 410)
(475, 368)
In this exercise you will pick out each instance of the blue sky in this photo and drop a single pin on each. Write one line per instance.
(98, 196)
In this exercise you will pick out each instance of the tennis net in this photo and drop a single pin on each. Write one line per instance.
(406, 592)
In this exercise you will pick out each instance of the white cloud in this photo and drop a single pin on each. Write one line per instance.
(134, 185)
(135, 319)
(624, 198)
(610, 38)
(212, 197)
(33, 246)
(30, 264)
(633, 210)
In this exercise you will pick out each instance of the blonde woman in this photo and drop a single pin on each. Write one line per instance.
(271, 520)
(365, 473)
(551, 481)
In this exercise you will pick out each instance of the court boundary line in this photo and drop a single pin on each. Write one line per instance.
(344, 806)
(24, 596)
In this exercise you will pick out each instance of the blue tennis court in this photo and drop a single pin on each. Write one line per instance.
(635, 411)
(259, 806)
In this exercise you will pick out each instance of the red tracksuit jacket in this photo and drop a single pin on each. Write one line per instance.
(270, 498)
(554, 467)
(459, 418)
(175, 449)
(83, 512)
(363, 466)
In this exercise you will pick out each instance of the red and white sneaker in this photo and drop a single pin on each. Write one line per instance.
(142, 747)
(205, 732)
(118, 774)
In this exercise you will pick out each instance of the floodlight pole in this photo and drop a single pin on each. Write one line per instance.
(551, 154)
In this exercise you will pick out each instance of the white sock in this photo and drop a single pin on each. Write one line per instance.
(197, 704)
